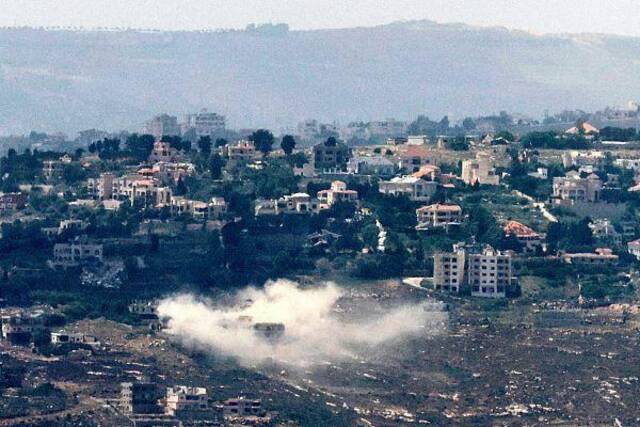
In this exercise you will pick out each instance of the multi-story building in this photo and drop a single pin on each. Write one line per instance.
(17, 329)
(11, 202)
(204, 123)
(103, 187)
(583, 158)
(242, 407)
(479, 170)
(53, 169)
(387, 128)
(76, 253)
(297, 203)
(215, 209)
(164, 152)
(371, 165)
(485, 271)
(330, 155)
(413, 157)
(240, 151)
(140, 398)
(337, 193)
(187, 402)
(162, 125)
(414, 188)
(572, 188)
(438, 216)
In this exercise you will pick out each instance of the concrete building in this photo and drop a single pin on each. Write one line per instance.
(11, 202)
(215, 209)
(297, 203)
(633, 248)
(330, 156)
(17, 329)
(412, 157)
(530, 240)
(164, 152)
(438, 216)
(601, 257)
(337, 193)
(62, 337)
(240, 151)
(140, 398)
(591, 158)
(204, 123)
(187, 402)
(414, 188)
(76, 253)
(371, 165)
(162, 125)
(479, 170)
(485, 271)
(571, 188)
(103, 187)
(604, 231)
(242, 407)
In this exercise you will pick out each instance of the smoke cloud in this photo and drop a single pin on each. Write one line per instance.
(317, 326)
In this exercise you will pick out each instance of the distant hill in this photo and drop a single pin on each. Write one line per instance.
(64, 80)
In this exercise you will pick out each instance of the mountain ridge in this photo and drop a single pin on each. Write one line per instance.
(72, 80)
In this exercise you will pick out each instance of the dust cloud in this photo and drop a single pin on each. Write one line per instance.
(317, 329)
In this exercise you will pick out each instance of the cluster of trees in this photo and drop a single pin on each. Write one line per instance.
(619, 134)
(570, 236)
(553, 140)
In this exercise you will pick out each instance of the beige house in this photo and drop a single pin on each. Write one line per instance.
(337, 193)
(414, 188)
(480, 170)
(571, 188)
(242, 151)
(438, 216)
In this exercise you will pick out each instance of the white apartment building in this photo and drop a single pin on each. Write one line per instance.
(205, 123)
(162, 125)
(484, 270)
(414, 188)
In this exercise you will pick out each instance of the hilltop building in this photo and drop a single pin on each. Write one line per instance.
(571, 188)
(484, 270)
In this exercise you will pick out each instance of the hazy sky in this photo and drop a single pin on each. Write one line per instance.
(540, 16)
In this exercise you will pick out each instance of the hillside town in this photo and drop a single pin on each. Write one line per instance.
(525, 230)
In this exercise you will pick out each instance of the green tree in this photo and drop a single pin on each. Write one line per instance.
(215, 166)
(287, 144)
(204, 144)
(139, 146)
(263, 140)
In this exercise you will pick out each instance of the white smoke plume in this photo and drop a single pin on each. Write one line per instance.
(315, 331)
